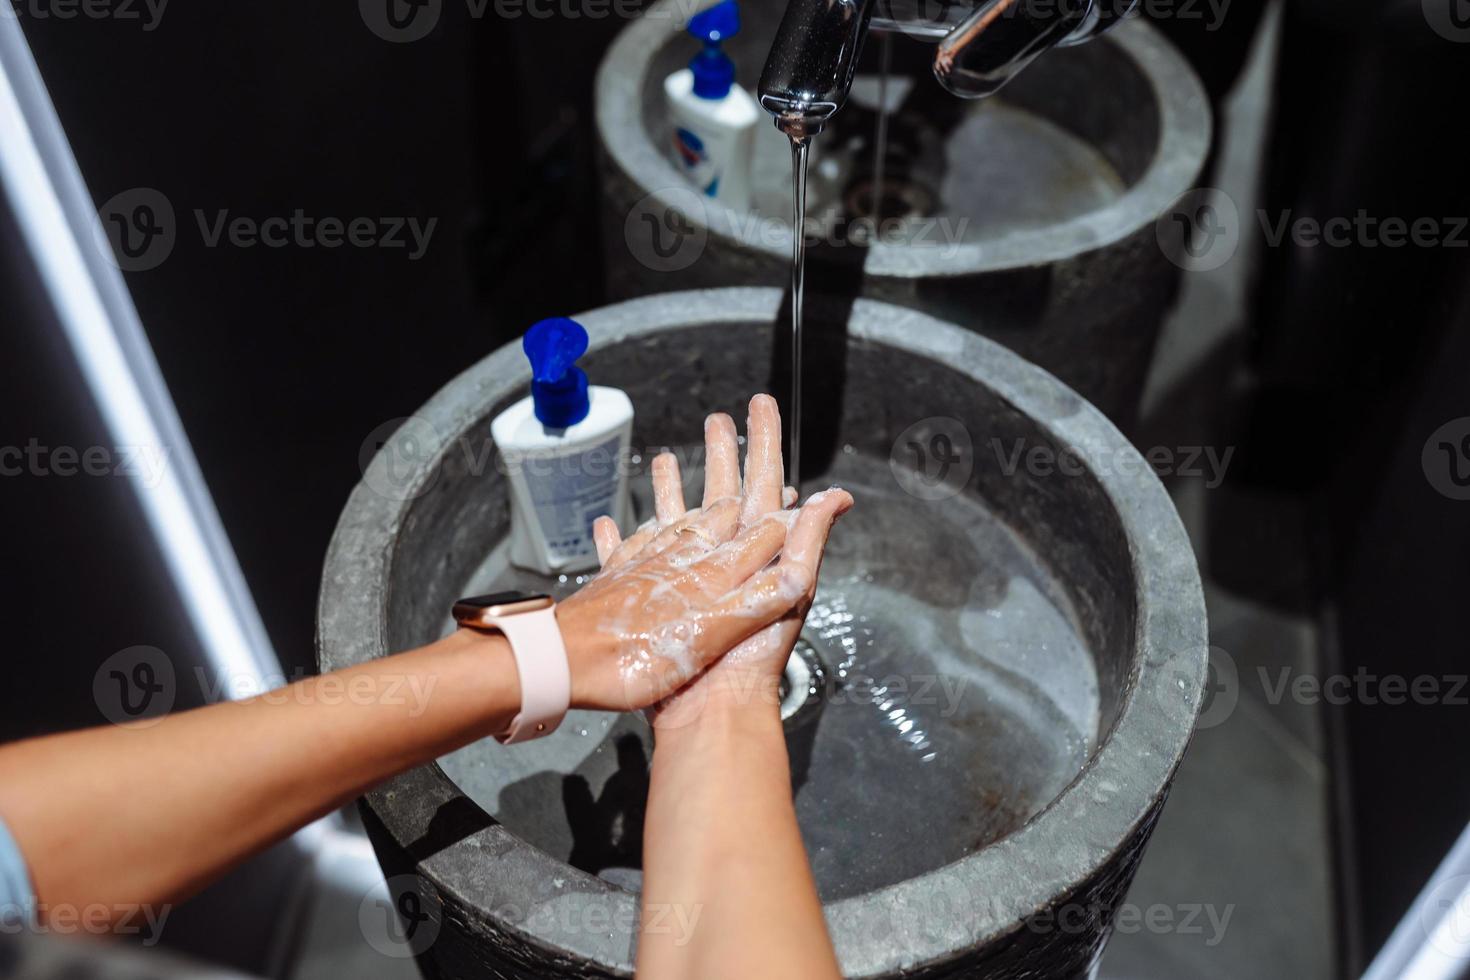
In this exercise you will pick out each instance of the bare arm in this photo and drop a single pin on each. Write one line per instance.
(722, 849)
(118, 815)
(125, 815)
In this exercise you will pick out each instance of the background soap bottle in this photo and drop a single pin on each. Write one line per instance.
(714, 119)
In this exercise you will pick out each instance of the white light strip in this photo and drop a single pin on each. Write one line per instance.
(1432, 940)
(177, 504)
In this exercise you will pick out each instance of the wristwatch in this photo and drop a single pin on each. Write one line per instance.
(528, 622)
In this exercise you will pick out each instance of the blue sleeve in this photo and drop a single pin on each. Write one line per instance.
(17, 900)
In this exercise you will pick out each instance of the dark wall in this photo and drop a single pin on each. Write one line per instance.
(285, 360)
(1401, 574)
(1363, 352)
(1359, 354)
(83, 578)
(281, 360)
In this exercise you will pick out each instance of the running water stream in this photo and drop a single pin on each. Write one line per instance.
(800, 150)
(800, 145)
(880, 139)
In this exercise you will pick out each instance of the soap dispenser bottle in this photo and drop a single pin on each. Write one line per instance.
(565, 450)
(714, 119)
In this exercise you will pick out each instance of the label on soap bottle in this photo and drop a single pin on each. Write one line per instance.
(570, 492)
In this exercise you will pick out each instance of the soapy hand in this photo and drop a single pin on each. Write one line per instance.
(750, 674)
(736, 574)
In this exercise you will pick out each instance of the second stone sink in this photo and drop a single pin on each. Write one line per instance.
(1028, 217)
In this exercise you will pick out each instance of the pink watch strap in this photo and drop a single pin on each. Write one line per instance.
(546, 678)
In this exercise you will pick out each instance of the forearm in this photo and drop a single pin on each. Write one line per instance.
(133, 815)
(723, 857)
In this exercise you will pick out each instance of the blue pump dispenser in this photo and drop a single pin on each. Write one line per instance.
(713, 70)
(558, 386)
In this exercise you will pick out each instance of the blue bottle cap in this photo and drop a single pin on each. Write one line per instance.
(558, 386)
(713, 70)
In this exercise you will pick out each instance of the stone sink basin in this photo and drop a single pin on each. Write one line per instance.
(997, 682)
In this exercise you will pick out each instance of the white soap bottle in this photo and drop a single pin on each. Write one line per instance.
(714, 119)
(565, 450)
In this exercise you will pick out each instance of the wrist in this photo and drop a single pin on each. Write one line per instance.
(715, 709)
(493, 661)
(584, 651)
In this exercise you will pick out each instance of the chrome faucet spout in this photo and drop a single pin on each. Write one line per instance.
(809, 70)
(1001, 37)
(982, 45)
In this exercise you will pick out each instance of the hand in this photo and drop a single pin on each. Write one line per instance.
(750, 675)
(687, 588)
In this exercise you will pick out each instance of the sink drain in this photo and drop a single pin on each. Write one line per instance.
(902, 198)
(801, 684)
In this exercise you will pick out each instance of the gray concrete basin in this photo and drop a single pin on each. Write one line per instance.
(1009, 652)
